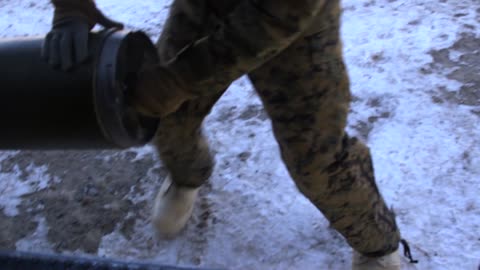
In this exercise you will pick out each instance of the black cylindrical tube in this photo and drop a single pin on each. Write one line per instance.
(86, 108)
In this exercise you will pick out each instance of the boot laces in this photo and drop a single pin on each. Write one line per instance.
(407, 252)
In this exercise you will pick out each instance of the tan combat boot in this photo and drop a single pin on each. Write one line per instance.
(387, 262)
(172, 208)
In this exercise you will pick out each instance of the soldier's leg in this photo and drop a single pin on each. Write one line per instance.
(179, 140)
(305, 91)
(185, 153)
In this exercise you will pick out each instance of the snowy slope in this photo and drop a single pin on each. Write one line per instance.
(413, 68)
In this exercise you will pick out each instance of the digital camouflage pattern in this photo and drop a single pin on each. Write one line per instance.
(292, 52)
(305, 91)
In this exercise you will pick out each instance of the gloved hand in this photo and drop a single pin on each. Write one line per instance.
(158, 92)
(66, 45)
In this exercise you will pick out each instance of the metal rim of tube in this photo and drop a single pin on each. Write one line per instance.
(118, 122)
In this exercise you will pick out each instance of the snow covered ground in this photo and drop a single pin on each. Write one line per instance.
(414, 67)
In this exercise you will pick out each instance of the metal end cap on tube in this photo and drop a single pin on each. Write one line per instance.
(119, 61)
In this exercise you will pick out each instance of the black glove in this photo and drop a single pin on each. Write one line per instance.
(66, 45)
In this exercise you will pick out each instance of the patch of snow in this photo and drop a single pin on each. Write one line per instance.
(142, 152)
(12, 187)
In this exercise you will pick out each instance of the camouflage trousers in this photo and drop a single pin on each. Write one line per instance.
(305, 91)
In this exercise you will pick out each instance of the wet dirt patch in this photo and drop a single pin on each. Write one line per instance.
(254, 111)
(244, 156)
(88, 199)
(227, 114)
(462, 59)
(205, 220)
(14, 228)
(365, 127)
(251, 112)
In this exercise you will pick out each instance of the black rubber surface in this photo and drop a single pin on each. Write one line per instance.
(85, 108)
